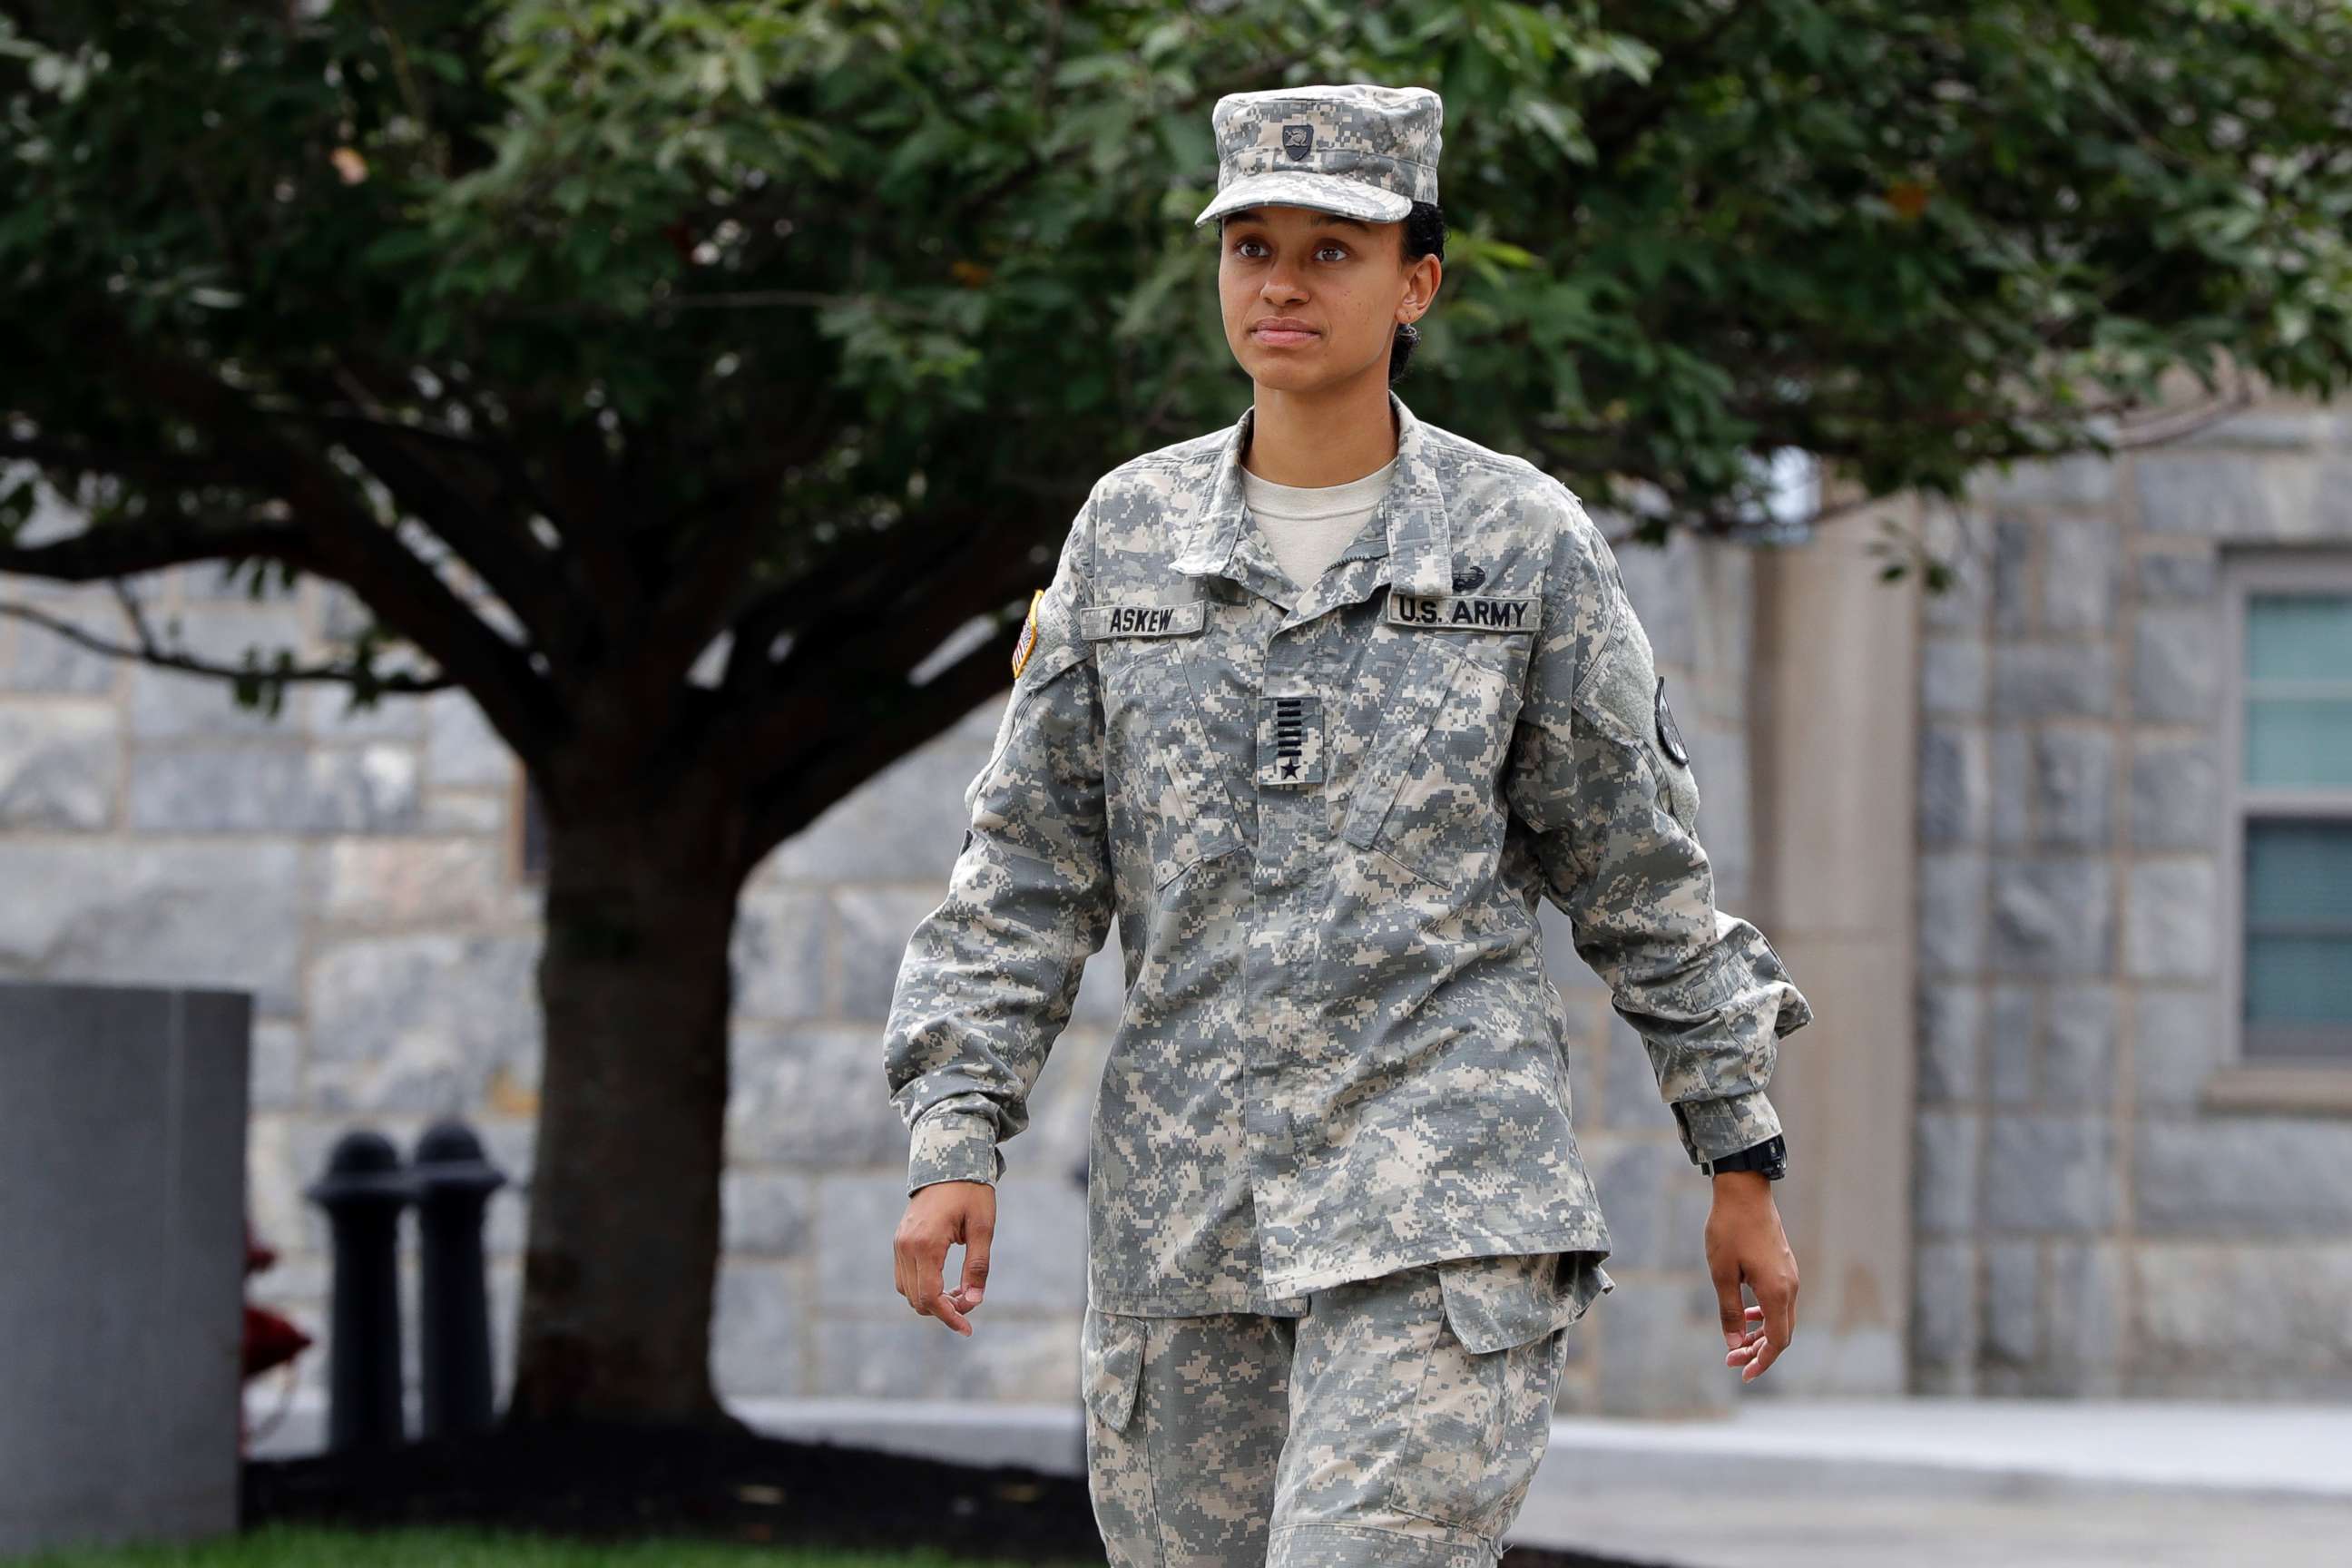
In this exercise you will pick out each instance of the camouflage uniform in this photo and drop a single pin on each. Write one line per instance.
(1321, 819)
(1400, 1421)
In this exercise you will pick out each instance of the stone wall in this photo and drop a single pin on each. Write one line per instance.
(2096, 1212)
(354, 873)
(361, 876)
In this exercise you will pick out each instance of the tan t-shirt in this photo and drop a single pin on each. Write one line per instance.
(1308, 525)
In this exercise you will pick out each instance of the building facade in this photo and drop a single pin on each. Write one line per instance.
(2036, 849)
(2134, 1005)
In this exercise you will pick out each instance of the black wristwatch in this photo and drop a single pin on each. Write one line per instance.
(1772, 1157)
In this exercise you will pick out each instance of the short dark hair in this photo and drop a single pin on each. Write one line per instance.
(1424, 235)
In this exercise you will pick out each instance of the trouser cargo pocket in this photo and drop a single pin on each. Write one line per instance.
(1481, 1418)
(1119, 1456)
(1110, 1361)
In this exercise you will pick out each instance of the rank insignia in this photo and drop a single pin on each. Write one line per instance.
(1028, 643)
(1290, 739)
(1670, 739)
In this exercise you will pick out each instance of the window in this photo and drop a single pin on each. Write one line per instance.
(2289, 759)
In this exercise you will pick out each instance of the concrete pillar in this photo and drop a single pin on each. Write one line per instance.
(1835, 737)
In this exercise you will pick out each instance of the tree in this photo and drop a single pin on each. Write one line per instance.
(680, 379)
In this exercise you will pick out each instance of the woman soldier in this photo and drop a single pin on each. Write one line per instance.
(1317, 708)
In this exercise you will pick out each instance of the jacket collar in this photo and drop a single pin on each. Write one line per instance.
(1407, 538)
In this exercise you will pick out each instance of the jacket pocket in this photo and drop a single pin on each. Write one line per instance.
(1428, 794)
(1110, 1365)
(1162, 752)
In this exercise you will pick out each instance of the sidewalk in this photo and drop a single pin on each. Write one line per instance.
(1956, 1482)
(2002, 1483)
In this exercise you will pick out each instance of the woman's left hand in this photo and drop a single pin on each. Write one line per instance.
(1745, 1243)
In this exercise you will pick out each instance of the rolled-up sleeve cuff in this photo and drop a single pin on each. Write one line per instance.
(953, 1146)
(1712, 1129)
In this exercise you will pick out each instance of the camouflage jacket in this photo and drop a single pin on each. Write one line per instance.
(1321, 820)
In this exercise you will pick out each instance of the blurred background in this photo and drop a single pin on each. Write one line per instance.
(512, 520)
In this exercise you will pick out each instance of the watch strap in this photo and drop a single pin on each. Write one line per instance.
(1770, 1157)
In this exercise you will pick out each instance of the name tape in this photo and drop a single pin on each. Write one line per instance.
(1097, 621)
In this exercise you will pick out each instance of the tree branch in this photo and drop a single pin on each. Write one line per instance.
(346, 544)
(709, 589)
(829, 767)
(474, 520)
(148, 651)
(441, 475)
(580, 483)
(160, 468)
(116, 550)
(846, 674)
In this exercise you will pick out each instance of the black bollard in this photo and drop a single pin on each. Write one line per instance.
(363, 1191)
(454, 1184)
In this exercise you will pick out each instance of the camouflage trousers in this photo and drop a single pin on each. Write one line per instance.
(1399, 1421)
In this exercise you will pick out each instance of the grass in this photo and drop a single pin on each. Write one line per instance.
(286, 1546)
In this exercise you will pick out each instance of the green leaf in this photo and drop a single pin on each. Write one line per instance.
(745, 72)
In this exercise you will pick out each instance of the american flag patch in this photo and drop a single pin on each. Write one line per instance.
(1028, 643)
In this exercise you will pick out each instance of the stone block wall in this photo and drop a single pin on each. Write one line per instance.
(361, 874)
(356, 873)
(2095, 1215)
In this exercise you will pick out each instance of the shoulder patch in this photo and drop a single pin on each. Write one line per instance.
(1028, 643)
(1670, 739)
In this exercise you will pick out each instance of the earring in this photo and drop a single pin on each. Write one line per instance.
(1409, 332)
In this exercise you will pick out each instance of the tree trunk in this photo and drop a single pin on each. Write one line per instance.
(618, 1275)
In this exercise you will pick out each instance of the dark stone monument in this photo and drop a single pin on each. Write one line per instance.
(122, 1151)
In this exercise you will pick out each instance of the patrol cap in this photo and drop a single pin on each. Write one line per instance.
(1356, 148)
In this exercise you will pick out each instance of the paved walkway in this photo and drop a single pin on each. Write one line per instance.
(2125, 1531)
(2006, 1483)
(1957, 1483)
